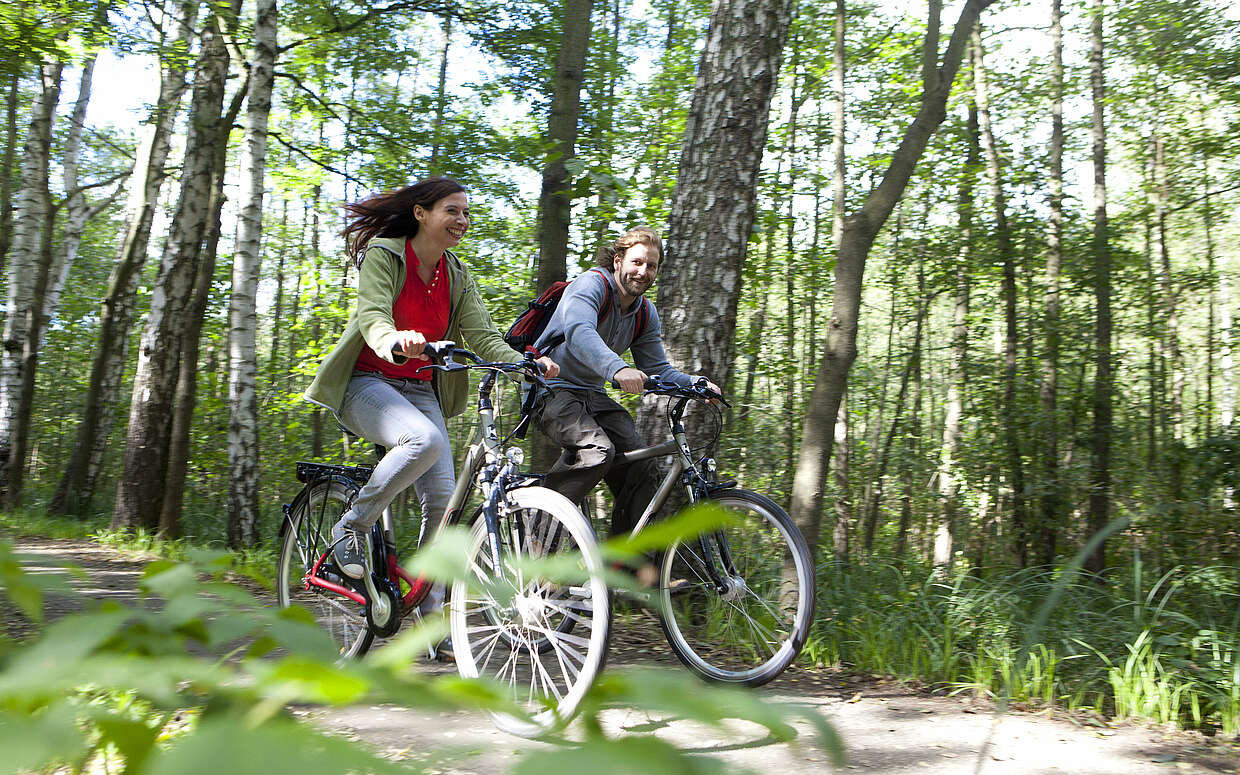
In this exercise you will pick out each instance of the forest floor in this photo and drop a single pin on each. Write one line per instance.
(887, 726)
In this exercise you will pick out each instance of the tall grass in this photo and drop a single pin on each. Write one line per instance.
(1163, 648)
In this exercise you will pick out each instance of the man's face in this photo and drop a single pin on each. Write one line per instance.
(636, 269)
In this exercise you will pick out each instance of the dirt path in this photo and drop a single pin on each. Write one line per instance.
(887, 727)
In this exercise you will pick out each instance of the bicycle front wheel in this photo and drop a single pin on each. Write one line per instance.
(538, 629)
(737, 603)
(305, 538)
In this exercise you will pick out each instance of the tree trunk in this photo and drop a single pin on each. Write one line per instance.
(859, 233)
(1173, 353)
(1226, 361)
(1008, 411)
(277, 304)
(6, 170)
(186, 398)
(139, 493)
(1207, 227)
(1100, 438)
(840, 465)
(913, 436)
(78, 211)
(884, 457)
(790, 297)
(712, 209)
(1051, 518)
(555, 201)
(842, 533)
(316, 310)
(27, 281)
(945, 536)
(243, 511)
(77, 485)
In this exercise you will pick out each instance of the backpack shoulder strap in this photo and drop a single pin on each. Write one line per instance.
(606, 308)
(643, 317)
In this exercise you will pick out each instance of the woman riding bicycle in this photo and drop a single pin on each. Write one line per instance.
(411, 290)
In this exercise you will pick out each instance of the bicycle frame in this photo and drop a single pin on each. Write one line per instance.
(485, 452)
(685, 470)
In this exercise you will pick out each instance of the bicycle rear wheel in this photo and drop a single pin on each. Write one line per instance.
(305, 538)
(751, 629)
(539, 635)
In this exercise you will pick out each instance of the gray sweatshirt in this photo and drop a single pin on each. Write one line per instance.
(589, 356)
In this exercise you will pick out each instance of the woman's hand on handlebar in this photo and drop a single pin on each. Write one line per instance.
(410, 344)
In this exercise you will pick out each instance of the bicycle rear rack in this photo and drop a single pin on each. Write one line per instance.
(308, 471)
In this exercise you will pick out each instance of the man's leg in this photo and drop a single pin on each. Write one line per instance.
(587, 451)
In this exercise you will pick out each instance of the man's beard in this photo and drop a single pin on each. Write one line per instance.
(632, 286)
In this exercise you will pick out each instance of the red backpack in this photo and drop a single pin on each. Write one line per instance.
(529, 325)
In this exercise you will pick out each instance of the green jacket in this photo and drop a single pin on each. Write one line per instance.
(382, 277)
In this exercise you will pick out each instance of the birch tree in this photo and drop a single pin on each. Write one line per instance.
(949, 474)
(139, 493)
(27, 276)
(243, 310)
(77, 485)
(712, 210)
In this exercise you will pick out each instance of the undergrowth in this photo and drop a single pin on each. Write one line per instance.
(1134, 644)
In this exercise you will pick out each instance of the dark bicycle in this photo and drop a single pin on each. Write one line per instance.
(737, 603)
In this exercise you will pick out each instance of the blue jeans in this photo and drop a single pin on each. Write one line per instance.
(404, 416)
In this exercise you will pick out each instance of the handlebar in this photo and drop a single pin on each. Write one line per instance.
(446, 352)
(699, 391)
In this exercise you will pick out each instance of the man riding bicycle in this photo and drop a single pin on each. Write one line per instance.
(601, 314)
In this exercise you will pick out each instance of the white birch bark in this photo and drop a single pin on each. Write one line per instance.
(78, 209)
(139, 493)
(242, 311)
(712, 210)
(77, 485)
(30, 218)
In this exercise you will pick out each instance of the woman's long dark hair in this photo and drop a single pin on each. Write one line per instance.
(391, 214)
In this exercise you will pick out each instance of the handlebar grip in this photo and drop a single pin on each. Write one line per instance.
(434, 350)
(439, 350)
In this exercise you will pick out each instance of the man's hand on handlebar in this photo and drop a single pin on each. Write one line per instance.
(630, 380)
(548, 367)
(711, 386)
(700, 388)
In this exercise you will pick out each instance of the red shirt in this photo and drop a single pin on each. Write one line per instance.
(419, 307)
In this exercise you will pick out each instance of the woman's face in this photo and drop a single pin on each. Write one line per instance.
(447, 220)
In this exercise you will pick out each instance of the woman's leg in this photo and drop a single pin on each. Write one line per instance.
(434, 487)
(380, 412)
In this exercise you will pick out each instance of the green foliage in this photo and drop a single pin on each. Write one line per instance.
(147, 690)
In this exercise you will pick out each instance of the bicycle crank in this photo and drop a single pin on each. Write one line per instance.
(383, 608)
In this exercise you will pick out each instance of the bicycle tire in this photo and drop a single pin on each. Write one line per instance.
(510, 627)
(750, 633)
(305, 537)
